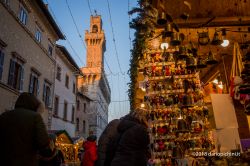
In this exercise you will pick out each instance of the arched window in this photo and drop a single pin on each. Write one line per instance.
(93, 80)
(89, 79)
(95, 29)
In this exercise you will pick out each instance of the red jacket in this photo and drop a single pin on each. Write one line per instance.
(90, 154)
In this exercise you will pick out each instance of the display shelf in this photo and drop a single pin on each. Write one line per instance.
(150, 64)
(187, 76)
(175, 103)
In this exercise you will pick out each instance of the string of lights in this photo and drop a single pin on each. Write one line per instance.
(111, 73)
(113, 35)
(54, 16)
(129, 33)
(89, 7)
(80, 36)
(76, 27)
(115, 101)
(119, 90)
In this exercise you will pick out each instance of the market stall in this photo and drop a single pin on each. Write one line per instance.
(167, 65)
(78, 147)
(65, 144)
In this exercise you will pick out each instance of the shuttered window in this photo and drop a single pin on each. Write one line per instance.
(16, 75)
(47, 94)
(1, 63)
(34, 83)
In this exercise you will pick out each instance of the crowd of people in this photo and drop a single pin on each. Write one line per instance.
(26, 142)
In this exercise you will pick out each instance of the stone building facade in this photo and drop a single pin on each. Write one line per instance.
(83, 105)
(27, 52)
(94, 83)
(64, 107)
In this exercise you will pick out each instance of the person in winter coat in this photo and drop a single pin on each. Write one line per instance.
(90, 151)
(54, 157)
(23, 133)
(133, 142)
(107, 136)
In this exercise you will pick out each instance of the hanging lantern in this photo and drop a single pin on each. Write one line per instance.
(211, 59)
(203, 38)
(176, 39)
(216, 39)
(143, 30)
(201, 63)
(184, 16)
(169, 30)
(191, 62)
(225, 41)
(161, 18)
(182, 52)
(182, 125)
(192, 49)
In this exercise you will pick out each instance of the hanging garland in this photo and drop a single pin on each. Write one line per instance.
(142, 27)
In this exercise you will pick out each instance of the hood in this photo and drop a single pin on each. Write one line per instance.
(89, 145)
(27, 101)
(126, 122)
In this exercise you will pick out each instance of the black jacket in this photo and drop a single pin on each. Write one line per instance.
(23, 133)
(133, 144)
(107, 136)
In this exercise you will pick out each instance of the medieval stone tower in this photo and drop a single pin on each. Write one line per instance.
(95, 42)
(94, 83)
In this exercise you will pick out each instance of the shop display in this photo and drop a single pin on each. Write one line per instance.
(178, 119)
(65, 144)
(244, 88)
(240, 82)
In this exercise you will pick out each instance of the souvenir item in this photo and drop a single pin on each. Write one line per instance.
(175, 39)
(178, 152)
(182, 125)
(161, 20)
(216, 39)
(174, 100)
(203, 38)
(201, 63)
(211, 59)
(182, 52)
(191, 62)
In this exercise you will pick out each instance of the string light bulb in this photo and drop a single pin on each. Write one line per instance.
(142, 105)
(164, 46)
(225, 42)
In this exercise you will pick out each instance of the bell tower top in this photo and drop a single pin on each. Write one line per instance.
(95, 42)
(95, 24)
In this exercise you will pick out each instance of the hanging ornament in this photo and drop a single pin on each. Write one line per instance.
(162, 20)
(201, 63)
(216, 39)
(203, 38)
(211, 59)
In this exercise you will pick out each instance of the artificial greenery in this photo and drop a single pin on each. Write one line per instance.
(142, 32)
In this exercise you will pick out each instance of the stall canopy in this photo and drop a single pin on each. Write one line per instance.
(62, 136)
